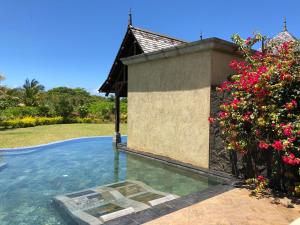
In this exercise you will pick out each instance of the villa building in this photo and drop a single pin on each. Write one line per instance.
(170, 87)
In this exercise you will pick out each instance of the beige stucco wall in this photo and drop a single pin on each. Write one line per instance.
(168, 107)
(220, 66)
(169, 104)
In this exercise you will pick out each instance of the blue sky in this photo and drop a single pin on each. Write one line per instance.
(73, 42)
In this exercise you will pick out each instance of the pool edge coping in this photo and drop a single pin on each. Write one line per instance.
(53, 143)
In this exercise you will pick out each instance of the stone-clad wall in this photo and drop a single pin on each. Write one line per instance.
(219, 158)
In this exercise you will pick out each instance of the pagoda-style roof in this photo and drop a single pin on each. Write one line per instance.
(150, 41)
(136, 41)
(284, 36)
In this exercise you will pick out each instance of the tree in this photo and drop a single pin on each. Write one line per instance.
(7, 96)
(260, 115)
(2, 78)
(64, 108)
(32, 88)
(76, 96)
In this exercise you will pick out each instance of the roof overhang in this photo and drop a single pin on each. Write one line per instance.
(136, 41)
(192, 47)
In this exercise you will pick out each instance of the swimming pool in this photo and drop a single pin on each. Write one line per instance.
(33, 177)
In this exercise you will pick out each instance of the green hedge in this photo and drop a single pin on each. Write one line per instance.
(30, 122)
(35, 121)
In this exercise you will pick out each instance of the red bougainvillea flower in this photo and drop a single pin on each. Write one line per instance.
(234, 64)
(287, 131)
(248, 40)
(263, 145)
(223, 114)
(234, 103)
(277, 145)
(225, 86)
(258, 55)
(257, 133)
(246, 117)
(260, 178)
(291, 105)
(211, 119)
(291, 140)
(262, 69)
(290, 159)
(286, 77)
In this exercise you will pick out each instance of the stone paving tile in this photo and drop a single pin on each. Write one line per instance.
(234, 207)
(124, 220)
(143, 216)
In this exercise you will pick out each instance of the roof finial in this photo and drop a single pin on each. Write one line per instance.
(284, 24)
(130, 18)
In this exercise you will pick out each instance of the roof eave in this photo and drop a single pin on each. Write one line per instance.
(197, 46)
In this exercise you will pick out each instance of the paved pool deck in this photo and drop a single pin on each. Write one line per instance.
(234, 207)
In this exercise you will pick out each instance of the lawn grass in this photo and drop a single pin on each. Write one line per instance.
(21, 137)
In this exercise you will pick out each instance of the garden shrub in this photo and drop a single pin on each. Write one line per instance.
(49, 120)
(19, 111)
(30, 122)
(123, 118)
(45, 110)
(64, 108)
(103, 110)
(83, 111)
(259, 118)
(87, 120)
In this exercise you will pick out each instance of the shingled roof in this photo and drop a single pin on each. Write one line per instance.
(150, 41)
(136, 41)
(284, 36)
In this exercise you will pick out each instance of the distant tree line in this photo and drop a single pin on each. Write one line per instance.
(31, 102)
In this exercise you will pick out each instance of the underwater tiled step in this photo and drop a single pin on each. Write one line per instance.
(130, 190)
(101, 204)
(77, 194)
(146, 197)
(104, 209)
(119, 184)
(2, 166)
(95, 196)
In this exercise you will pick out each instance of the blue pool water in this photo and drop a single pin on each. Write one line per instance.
(30, 181)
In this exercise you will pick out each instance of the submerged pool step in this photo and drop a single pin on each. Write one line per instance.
(2, 166)
(98, 205)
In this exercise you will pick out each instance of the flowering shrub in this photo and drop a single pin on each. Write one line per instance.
(259, 117)
(30, 122)
(36, 121)
(258, 185)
